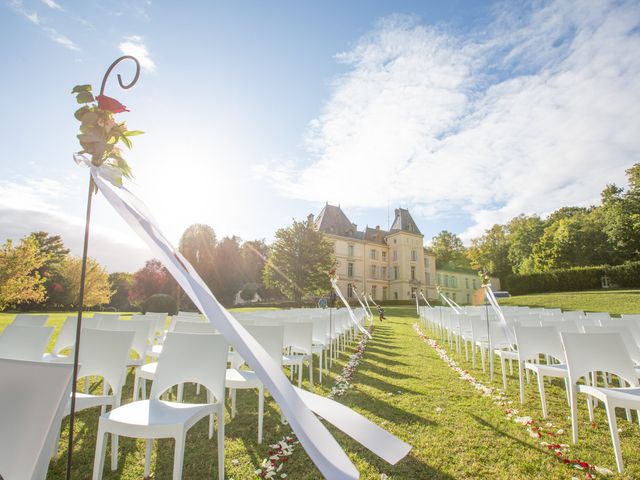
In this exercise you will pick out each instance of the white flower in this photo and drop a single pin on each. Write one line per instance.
(438, 410)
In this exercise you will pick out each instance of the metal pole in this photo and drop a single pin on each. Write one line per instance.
(76, 352)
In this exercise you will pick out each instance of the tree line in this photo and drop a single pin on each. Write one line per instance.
(39, 273)
(603, 234)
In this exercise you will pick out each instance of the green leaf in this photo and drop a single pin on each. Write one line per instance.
(133, 133)
(80, 112)
(81, 88)
(85, 97)
(126, 141)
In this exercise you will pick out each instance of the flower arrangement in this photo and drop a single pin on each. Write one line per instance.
(100, 134)
(536, 430)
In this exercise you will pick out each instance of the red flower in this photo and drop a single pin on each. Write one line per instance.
(110, 104)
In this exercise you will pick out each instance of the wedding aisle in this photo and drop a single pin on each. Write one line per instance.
(402, 384)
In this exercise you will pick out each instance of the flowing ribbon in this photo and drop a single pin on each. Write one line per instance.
(448, 302)
(373, 301)
(364, 295)
(322, 448)
(425, 300)
(336, 288)
(493, 301)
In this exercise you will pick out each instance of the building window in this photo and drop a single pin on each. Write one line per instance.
(374, 271)
(414, 292)
(454, 296)
(427, 278)
(466, 282)
(414, 256)
(395, 295)
(395, 273)
(349, 269)
(468, 299)
(384, 273)
(395, 255)
(350, 250)
(384, 293)
(454, 282)
(373, 254)
(426, 262)
(474, 284)
(349, 290)
(446, 281)
(439, 277)
(384, 255)
(413, 272)
(374, 291)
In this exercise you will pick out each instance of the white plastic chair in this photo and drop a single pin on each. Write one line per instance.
(24, 343)
(67, 338)
(271, 339)
(140, 328)
(26, 320)
(32, 398)
(604, 352)
(298, 338)
(532, 342)
(186, 358)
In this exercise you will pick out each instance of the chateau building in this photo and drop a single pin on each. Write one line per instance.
(388, 265)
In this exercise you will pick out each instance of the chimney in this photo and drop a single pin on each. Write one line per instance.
(310, 218)
(377, 227)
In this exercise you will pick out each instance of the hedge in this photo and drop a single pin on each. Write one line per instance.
(574, 279)
(160, 302)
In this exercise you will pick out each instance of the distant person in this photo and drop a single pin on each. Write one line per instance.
(381, 313)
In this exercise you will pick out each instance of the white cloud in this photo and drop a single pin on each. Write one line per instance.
(52, 4)
(134, 45)
(61, 39)
(536, 112)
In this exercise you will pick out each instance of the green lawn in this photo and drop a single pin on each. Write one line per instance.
(404, 386)
(612, 301)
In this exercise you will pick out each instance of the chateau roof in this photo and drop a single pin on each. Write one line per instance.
(375, 235)
(333, 220)
(404, 222)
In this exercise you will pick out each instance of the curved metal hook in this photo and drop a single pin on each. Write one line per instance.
(122, 85)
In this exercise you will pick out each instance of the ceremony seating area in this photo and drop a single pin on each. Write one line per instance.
(593, 353)
(187, 349)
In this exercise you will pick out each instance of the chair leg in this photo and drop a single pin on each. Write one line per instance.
(520, 376)
(504, 373)
(136, 385)
(311, 370)
(101, 450)
(178, 456)
(147, 457)
(260, 412)
(573, 393)
(543, 400)
(615, 438)
(180, 392)
(114, 452)
(220, 416)
(300, 374)
(233, 403)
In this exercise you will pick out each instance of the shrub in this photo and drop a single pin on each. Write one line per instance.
(160, 302)
(573, 279)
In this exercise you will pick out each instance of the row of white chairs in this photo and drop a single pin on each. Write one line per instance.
(571, 349)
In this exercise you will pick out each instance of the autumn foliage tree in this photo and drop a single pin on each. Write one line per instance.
(97, 288)
(150, 279)
(20, 281)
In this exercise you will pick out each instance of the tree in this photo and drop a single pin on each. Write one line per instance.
(54, 252)
(228, 273)
(97, 288)
(20, 281)
(121, 283)
(300, 260)
(254, 256)
(491, 252)
(524, 233)
(198, 245)
(150, 279)
(449, 250)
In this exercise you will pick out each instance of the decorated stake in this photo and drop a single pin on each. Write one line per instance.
(99, 137)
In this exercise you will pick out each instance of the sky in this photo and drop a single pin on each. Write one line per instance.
(465, 112)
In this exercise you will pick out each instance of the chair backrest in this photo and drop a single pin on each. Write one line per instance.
(572, 315)
(604, 316)
(597, 352)
(563, 325)
(189, 314)
(32, 398)
(195, 326)
(271, 338)
(105, 353)
(26, 320)
(112, 316)
(192, 358)
(139, 327)
(24, 343)
(299, 335)
(533, 341)
(588, 322)
(625, 333)
(67, 336)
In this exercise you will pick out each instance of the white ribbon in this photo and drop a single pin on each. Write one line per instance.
(364, 295)
(373, 301)
(321, 447)
(336, 288)
(417, 305)
(366, 312)
(425, 299)
(448, 302)
(490, 296)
